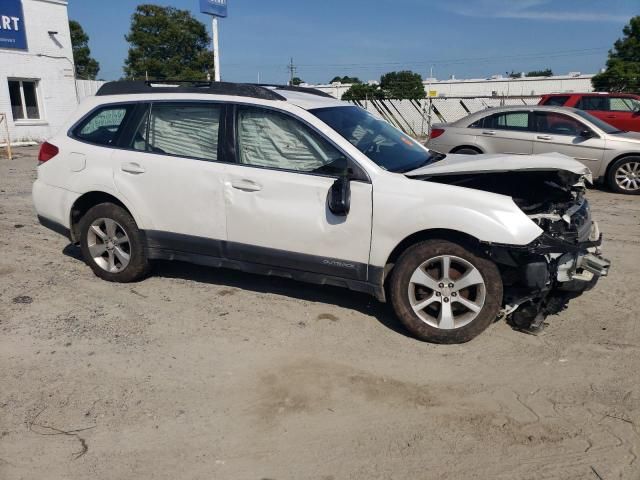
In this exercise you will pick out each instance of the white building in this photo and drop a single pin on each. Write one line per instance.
(496, 86)
(37, 84)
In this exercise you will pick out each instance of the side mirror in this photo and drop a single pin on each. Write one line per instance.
(339, 198)
(586, 134)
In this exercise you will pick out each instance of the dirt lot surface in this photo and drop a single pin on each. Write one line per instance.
(203, 373)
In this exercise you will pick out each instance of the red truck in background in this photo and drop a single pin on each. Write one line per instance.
(622, 110)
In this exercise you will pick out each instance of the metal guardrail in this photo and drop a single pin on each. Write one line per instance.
(415, 117)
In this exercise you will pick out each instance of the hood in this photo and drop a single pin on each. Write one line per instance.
(454, 164)
(625, 136)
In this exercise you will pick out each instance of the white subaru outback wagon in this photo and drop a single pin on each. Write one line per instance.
(291, 182)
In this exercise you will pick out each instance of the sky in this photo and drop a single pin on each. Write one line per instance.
(364, 38)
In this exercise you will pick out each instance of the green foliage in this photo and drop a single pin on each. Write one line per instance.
(363, 91)
(167, 43)
(547, 72)
(86, 67)
(345, 79)
(295, 81)
(623, 66)
(402, 85)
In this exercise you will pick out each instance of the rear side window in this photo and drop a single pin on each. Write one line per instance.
(556, 101)
(508, 121)
(103, 126)
(185, 130)
(594, 103)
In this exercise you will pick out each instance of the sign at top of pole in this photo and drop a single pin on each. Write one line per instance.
(217, 8)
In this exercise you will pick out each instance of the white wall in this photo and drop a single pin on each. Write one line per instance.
(88, 88)
(485, 87)
(57, 91)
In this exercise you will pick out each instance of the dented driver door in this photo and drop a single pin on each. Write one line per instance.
(276, 199)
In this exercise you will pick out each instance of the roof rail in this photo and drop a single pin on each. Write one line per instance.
(127, 87)
(294, 88)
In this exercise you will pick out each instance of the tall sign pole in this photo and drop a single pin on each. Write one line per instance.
(215, 8)
(216, 47)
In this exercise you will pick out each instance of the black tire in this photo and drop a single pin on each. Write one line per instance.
(138, 264)
(467, 151)
(399, 289)
(614, 170)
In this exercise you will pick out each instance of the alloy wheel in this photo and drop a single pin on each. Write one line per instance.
(628, 176)
(109, 245)
(447, 292)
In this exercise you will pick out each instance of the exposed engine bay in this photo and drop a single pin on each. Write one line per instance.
(564, 262)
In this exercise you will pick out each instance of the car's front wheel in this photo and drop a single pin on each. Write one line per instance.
(112, 244)
(444, 293)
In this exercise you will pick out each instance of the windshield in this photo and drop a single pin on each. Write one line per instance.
(601, 124)
(385, 145)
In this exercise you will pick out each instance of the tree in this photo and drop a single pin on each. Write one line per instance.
(402, 85)
(345, 79)
(86, 66)
(167, 43)
(363, 91)
(623, 66)
(295, 81)
(547, 72)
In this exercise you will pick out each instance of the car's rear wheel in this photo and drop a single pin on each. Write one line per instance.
(444, 293)
(624, 176)
(112, 244)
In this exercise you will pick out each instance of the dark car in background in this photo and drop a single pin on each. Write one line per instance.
(622, 110)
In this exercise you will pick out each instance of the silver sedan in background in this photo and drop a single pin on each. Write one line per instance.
(612, 155)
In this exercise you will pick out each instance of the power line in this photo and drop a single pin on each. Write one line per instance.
(441, 62)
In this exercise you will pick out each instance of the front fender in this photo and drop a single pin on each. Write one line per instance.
(406, 207)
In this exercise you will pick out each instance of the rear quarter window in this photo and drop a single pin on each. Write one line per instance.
(103, 126)
(556, 101)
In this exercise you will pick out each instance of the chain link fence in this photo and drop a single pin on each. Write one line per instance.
(415, 117)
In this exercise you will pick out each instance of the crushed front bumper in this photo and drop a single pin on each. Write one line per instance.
(541, 278)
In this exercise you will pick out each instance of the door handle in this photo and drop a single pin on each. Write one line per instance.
(246, 185)
(489, 132)
(544, 137)
(612, 116)
(132, 167)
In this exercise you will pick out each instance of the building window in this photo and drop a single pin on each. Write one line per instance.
(24, 99)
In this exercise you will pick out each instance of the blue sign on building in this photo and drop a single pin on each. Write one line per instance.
(12, 31)
(214, 7)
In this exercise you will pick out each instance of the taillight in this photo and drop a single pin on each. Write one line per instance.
(47, 152)
(436, 132)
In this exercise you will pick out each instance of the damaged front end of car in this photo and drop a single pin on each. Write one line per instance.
(563, 262)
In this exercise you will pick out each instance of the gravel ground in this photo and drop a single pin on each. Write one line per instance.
(204, 373)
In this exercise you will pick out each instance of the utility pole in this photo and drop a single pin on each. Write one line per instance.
(292, 71)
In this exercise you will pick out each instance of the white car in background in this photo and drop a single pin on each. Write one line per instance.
(291, 182)
(611, 154)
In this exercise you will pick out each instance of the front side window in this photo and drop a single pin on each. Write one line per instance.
(102, 127)
(507, 121)
(267, 138)
(24, 99)
(624, 104)
(184, 130)
(558, 124)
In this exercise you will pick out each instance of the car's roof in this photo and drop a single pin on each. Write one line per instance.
(519, 108)
(306, 98)
(581, 94)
